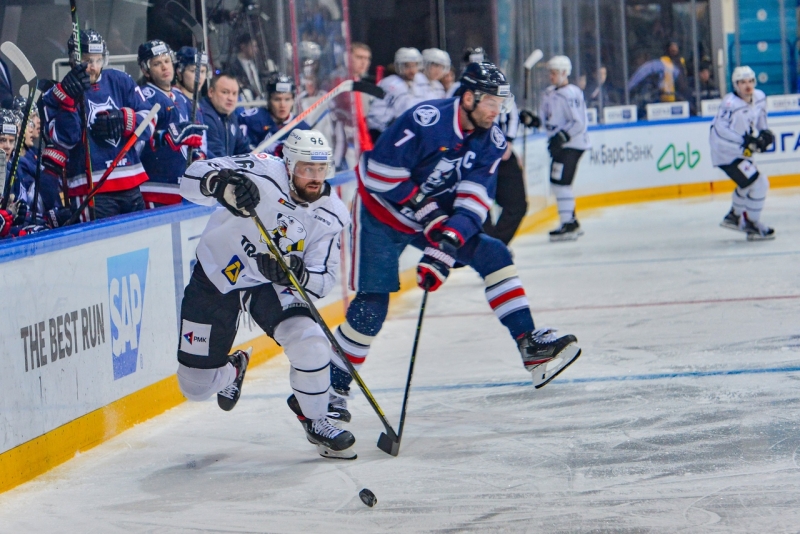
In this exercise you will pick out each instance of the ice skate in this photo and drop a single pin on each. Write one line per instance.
(569, 231)
(337, 405)
(228, 397)
(331, 441)
(545, 355)
(756, 231)
(732, 222)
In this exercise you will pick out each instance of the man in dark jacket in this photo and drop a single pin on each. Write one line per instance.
(225, 138)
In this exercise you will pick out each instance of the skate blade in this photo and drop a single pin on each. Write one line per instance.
(330, 454)
(759, 237)
(729, 226)
(565, 237)
(543, 374)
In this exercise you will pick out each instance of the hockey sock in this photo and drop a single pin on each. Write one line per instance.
(737, 204)
(356, 347)
(756, 195)
(200, 384)
(507, 298)
(309, 354)
(565, 201)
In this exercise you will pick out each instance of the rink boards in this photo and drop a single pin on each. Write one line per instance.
(91, 326)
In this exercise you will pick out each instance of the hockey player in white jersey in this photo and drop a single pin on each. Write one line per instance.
(236, 273)
(400, 95)
(427, 84)
(738, 131)
(563, 113)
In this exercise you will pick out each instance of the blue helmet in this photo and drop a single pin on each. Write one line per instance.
(484, 79)
(91, 43)
(186, 57)
(151, 49)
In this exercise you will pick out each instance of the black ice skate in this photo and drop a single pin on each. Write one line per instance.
(732, 222)
(228, 397)
(337, 405)
(331, 441)
(569, 231)
(545, 355)
(756, 231)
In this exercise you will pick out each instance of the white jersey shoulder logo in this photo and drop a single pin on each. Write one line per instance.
(426, 115)
(248, 112)
(149, 92)
(498, 138)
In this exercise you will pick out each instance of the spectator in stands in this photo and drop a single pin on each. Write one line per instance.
(244, 67)
(708, 89)
(667, 73)
(225, 138)
(599, 93)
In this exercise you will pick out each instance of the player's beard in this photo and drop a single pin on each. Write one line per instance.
(307, 196)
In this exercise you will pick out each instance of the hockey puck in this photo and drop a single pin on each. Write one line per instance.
(367, 497)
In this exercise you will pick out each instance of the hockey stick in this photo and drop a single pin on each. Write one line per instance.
(535, 57)
(275, 251)
(344, 87)
(19, 60)
(180, 13)
(386, 443)
(125, 148)
(76, 59)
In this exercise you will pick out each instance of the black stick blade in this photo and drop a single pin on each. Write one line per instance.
(182, 15)
(369, 88)
(388, 445)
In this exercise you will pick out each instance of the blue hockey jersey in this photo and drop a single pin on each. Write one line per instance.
(426, 150)
(257, 124)
(113, 90)
(165, 166)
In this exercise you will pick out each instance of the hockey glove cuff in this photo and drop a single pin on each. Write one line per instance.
(268, 266)
(54, 160)
(233, 190)
(529, 120)
(428, 214)
(436, 262)
(185, 134)
(6, 219)
(66, 102)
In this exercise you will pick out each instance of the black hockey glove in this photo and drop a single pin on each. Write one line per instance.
(113, 124)
(529, 120)
(750, 144)
(58, 216)
(184, 134)
(75, 83)
(233, 190)
(428, 214)
(764, 139)
(556, 143)
(436, 262)
(268, 266)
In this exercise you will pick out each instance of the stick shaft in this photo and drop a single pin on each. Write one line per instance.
(411, 367)
(273, 248)
(18, 148)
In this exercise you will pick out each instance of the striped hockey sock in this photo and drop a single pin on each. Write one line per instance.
(507, 298)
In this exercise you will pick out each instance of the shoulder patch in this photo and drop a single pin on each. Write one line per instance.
(248, 112)
(426, 115)
(498, 138)
(149, 92)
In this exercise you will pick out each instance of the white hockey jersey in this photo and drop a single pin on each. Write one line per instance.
(229, 244)
(425, 89)
(734, 120)
(563, 108)
(400, 97)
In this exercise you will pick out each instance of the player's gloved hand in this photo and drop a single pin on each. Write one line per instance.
(54, 160)
(764, 139)
(529, 120)
(233, 190)
(20, 211)
(58, 216)
(428, 214)
(6, 219)
(72, 87)
(272, 271)
(113, 124)
(436, 262)
(557, 142)
(184, 134)
(750, 144)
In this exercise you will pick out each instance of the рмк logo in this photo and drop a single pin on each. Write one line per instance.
(127, 278)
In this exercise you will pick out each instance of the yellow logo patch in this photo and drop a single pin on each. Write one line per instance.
(233, 270)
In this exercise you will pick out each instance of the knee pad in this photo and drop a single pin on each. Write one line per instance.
(758, 189)
(200, 384)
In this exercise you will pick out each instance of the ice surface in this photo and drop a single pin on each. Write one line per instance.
(682, 415)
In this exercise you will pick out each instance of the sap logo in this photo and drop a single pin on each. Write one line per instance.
(676, 110)
(626, 114)
(127, 280)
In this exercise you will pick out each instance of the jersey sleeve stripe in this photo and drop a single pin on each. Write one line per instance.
(386, 170)
(472, 205)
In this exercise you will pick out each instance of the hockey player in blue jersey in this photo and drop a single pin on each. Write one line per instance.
(261, 123)
(165, 157)
(115, 106)
(429, 183)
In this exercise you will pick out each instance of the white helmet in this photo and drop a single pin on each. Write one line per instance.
(561, 64)
(406, 55)
(309, 146)
(742, 73)
(436, 56)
